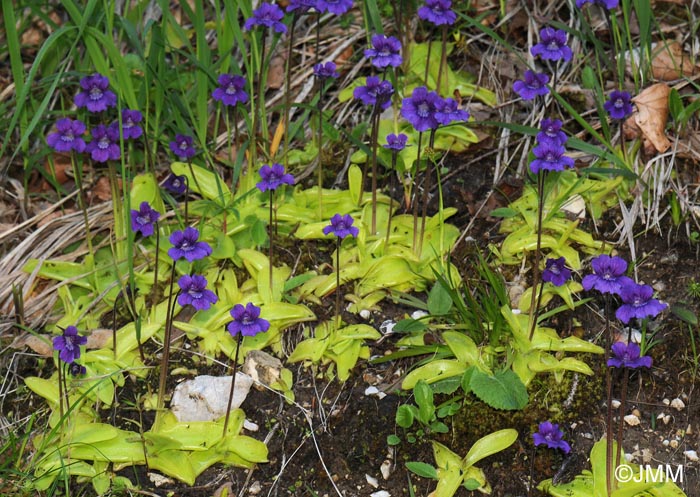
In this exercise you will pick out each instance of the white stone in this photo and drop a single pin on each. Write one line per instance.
(418, 314)
(250, 426)
(205, 398)
(665, 443)
(674, 444)
(387, 327)
(365, 314)
(678, 404)
(255, 488)
(615, 404)
(373, 482)
(380, 493)
(385, 469)
(159, 480)
(691, 455)
(632, 420)
(666, 402)
(262, 367)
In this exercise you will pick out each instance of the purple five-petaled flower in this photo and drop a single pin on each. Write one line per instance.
(609, 275)
(450, 112)
(337, 7)
(532, 85)
(183, 147)
(556, 272)
(96, 95)
(550, 435)
(396, 143)
(104, 145)
(608, 4)
(68, 344)
(301, 6)
(550, 131)
(268, 15)
(341, 226)
(421, 107)
(193, 291)
(131, 129)
(627, 355)
(68, 136)
(375, 92)
(385, 51)
(637, 302)
(552, 45)
(273, 177)
(618, 105)
(175, 184)
(186, 244)
(325, 70)
(247, 321)
(549, 156)
(144, 219)
(231, 90)
(438, 12)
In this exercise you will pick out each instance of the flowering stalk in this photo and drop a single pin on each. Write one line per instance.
(536, 268)
(340, 226)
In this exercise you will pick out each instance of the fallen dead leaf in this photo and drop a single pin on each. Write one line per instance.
(276, 73)
(99, 338)
(102, 190)
(669, 62)
(41, 344)
(651, 117)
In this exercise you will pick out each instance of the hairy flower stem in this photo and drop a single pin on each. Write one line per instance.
(154, 297)
(233, 383)
(78, 168)
(621, 422)
(443, 59)
(415, 195)
(319, 157)
(60, 388)
(287, 92)
(337, 281)
(426, 190)
(608, 388)
(271, 234)
(532, 470)
(166, 350)
(391, 189)
(536, 269)
(374, 139)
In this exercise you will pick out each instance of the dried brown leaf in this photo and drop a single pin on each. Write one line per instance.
(276, 73)
(652, 115)
(670, 62)
(41, 344)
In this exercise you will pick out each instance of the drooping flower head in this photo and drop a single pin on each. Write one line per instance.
(247, 321)
(301, 6)
(607, 4)
(341, 226)
(619, 104)
(438, 12)
(450, 112)
(105, 144)
(552, 45)
(131, 129)
(175, 184)
(76, 369)
(375, 92)
(186, 244)
(532, 85)
(556, 272)
(68, 344)
(550, 435)
(420, 108)
(96, 95)
(385, 51)
(231, 90)
(550, 130)
(268, 15)
(609, 275)
(637, 303)
(193, 291)
(337, 7)
(183, 147)
(549, 156)
(68, 136)
(325, 70)
(396, 143)
(627, 355)
(144, 219)
(273, 177)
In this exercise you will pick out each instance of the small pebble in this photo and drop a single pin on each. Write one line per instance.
(418, 314)
(632, 420)
(374, 483)
(385, 469)
(364, 314)
(615, 404)
(678, 404)
(637, 413)
(381, 493)
(691, 455)
(665, 443)
(673, 444)
(666, 402)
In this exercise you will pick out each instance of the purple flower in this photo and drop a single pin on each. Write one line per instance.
(337, 7)
(341, 226)
(420, 109)
(532, 85)
(325, 70)
(273, 177)
(301, 6)
(396, 143)
(438, 12)
(608, 4)
(95, 95)
(268, 15)
(183, 147)
(375, 92)
(130, 124)
(550, 435)
(637, 303)
(385, 51)
(247, 321)
(552, 45)
(550, 131)
(618, 104)
(103, 146)
(143, 219)
(549, 156)
(68, 136)
(193, 291)
(609, 275)
(69, 344)
(556, 272)
(450, 112)
(185, 244)
(626, 355)
(76, 369)
(175, 184)
(231, 90)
